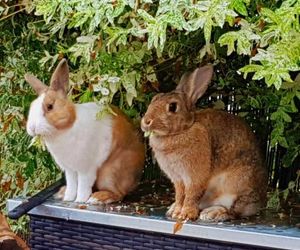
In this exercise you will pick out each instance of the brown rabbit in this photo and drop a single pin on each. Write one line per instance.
(212, 157)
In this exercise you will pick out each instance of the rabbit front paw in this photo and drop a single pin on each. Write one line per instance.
(104, 197)
(60, 194)
(170, 210)
(215, 213)
(174, 211)
(69, 195)
(191, 213)
(83, 196)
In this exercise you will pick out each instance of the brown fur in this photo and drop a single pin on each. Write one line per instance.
(121, 172)
(212, 157)
(59, 111)
(63, 113)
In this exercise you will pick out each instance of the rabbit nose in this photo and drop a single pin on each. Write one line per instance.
(147, 121)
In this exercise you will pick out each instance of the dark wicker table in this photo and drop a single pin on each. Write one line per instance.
(61, 225)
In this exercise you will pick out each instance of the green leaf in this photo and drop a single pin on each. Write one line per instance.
(274, 200)
(283, 142)
(290, 156)
(87, 96)
(129, 82)
(281, 115)
(251, 68)
(254, 102)
(147, 17)
(286, 117)
(207, 30)
(270, 15)
(228, 39)
(286, 76)
(240, 7)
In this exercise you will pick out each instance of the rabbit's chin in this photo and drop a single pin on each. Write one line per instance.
(151, 133)
(47, 134)
(166, 132)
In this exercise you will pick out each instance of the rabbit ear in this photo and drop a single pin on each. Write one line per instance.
(196, 83)
(60, 78)
(38, 86)
(183, 79)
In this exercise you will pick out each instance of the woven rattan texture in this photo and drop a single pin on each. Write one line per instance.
(48, 233)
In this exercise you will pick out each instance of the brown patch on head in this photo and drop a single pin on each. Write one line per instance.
(58, 110)
(168, 114)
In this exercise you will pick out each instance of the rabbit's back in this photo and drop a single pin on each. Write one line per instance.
(238, 178)
(231, 139)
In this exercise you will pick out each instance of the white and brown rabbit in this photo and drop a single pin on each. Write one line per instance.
(107, 154)
(211, 157)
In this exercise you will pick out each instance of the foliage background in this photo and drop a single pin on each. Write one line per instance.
(124, 51)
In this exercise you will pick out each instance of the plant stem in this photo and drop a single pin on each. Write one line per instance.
(11, 14)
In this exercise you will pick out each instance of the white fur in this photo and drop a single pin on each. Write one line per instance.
(79, 150)
(218, 186)
(72, 185)
(175, 170)
(93, 201)
(214, 213)
(225, 200)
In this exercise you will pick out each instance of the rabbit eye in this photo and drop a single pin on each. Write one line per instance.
(172, 107)
(49, 107)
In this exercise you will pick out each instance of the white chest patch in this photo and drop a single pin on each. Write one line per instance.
(174, 167)
(86, 145)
